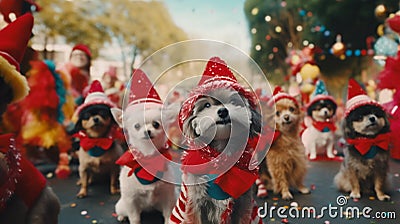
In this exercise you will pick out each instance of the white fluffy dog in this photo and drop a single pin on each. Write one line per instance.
(319, 136)
(147, 158)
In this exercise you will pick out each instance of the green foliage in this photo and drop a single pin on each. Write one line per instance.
(144, 25)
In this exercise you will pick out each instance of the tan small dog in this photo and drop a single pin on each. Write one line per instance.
(97, 132)
(286, 160)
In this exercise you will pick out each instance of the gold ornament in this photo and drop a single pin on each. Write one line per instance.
(338, 48)
(380, 11)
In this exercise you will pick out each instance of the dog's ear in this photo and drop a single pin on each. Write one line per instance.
(170, 114)
(347, 130)
(117, 114)
(256, 121)
(188, 129)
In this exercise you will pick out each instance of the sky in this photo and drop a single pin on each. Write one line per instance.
(212, 19)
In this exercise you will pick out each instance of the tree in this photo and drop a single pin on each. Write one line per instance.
(277, 26)
(139, 27)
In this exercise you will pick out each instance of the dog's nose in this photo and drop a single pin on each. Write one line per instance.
(286, 117)
(147, 133)
(223, 112)
(325, 113)
(96, 120)
(372, 119)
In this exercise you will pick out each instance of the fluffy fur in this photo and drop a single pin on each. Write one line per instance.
(96, 121)
(286, 160)
(358, 173)
(313, 139)
(146, 134)
(211, 123)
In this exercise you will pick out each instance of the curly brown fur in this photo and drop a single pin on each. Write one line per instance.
(286, 161)
(359, 174)
(97, 121)
(225, 107)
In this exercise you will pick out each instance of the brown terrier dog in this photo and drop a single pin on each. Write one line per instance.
(286, 160)
(98, 134)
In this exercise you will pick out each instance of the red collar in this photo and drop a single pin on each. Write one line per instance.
(236, 181)
(324, 126)
(23, 179)
(88, 143)
(152, 164)
(363, 145)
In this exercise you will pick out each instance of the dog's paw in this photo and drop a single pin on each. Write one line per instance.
(121, 218)
(287, 195)
(313, 157)
(383, 197)
(115, 190)
(304, 190)
(356, 195)
(81, 194)
(330, 155)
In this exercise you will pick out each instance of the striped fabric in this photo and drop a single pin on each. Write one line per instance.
(181, 210)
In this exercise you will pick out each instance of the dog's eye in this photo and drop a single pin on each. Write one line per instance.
(103, 114)
(278, 113)
(86, 116)
(207, 105)
(156, 125)
(137, 126)
(291, 109)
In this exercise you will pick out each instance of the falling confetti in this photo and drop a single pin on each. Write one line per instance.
(49, 175)
(275, 199)
(94, 221)
(285, 221)
(327, 222)
(371, 198)
(101, 203)
(87, 216)
(72, 205)
(312, 186)
(396, 175)
(114, 215)
(294, 204)
(84, 212)
(355, 199)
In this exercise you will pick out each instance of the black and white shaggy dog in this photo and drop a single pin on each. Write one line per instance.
(365, 167)
(220, 120)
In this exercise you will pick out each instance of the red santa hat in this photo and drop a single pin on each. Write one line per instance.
(216, 75)
(279, 94)
(357, 97)
(13, 42)
(142, 90)
(83, 48)
(95, 96)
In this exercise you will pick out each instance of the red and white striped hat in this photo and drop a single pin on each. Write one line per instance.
(357, 97)
(279, 94)
(142, 90)
(95, 96)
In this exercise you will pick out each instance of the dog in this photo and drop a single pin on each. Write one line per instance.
(286, 160)
(145, 165)
(219, 120)
(99, 139)
(362, 172)
(320, 132)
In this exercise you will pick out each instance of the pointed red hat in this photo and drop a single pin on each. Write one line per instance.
(394, 23)
(95, 95)
(356, 97)
(216, 75)
(142, 90)
(13, 42)
(279, 94)
(84, 48)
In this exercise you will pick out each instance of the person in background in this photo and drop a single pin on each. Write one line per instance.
(78, 68)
